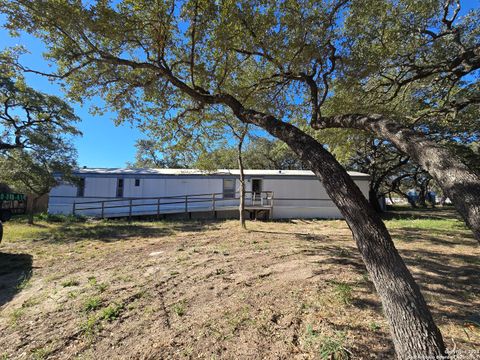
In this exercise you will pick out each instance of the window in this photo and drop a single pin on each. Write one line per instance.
(81, 187)
(120, 188)
(229, 188)
(137, 182)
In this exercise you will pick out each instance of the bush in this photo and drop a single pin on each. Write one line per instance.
(59, 218)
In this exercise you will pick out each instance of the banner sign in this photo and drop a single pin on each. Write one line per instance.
(11, 196)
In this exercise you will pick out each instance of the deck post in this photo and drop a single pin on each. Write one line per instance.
(158, 209)
(74, 207)
(130, 211)
(186, 204)
(103, 209)
(213, 207)
(271, 207)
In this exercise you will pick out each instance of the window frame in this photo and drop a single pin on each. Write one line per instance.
(119, 189)
(81, 187)
(229, 192)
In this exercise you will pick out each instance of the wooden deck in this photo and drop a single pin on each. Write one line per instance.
(170, 205)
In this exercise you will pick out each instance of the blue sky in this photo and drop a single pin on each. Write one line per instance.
(103, 144)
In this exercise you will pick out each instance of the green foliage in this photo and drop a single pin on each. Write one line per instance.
(70, 282)
(111, 312)
(373, 326)
(58, 218)
(259, 153)
(262, 53)
(29, 118)
(332, 347)
(17, 314)
(329, 347)
(179, 308)
(92, 304)
(343, 292)
(36, 131)
(37, 172)
(90, 326)
(40, 353)
(24, 281)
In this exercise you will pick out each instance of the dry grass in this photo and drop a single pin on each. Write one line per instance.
(208, 290)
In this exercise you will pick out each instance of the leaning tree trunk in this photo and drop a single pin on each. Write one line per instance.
(412, 327)
(457, 180)
(241, 207)
(374, 200)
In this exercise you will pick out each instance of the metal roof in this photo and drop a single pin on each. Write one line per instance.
(153, 171)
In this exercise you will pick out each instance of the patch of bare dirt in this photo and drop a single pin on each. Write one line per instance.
(279, 291)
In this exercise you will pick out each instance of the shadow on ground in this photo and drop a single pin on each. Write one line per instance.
(111, 231)
(408, 213)
(15, 271)
(442, 237)
(449, 281)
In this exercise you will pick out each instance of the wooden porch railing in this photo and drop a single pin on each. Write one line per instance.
(177, 204)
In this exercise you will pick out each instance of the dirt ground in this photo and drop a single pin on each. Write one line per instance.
(181, 290)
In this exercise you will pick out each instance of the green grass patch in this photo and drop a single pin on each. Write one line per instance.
(24, 280)
(70, 282)
(343, 292)
(180, 308)
(92, 304)
(90, 326)
(40, 353)
(17, 314)
(53, 228)
(333, 347)
(330, 347)
(112, 312)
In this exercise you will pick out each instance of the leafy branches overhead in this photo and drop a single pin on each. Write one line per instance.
(28, 118)
(426, 47)
(259, 153)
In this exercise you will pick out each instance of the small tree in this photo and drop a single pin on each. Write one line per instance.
(37, 172)
(240, 132)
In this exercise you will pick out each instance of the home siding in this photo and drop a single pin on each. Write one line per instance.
(294, 196)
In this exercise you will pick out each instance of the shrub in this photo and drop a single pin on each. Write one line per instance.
(92, 304)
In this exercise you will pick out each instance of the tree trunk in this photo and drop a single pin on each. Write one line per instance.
(373, 199)
(412, 327)
(457, 180)
(422, 196)
(31, 213)
(241, 207)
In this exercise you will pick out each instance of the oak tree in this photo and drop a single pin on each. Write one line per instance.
(270, 64)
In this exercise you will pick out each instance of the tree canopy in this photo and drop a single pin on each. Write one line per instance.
(29, 118)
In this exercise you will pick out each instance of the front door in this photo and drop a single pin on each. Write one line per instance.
(256, 188)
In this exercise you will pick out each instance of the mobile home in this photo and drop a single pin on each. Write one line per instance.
(276, 194)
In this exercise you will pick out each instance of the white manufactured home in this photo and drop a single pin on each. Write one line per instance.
(274, 194)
